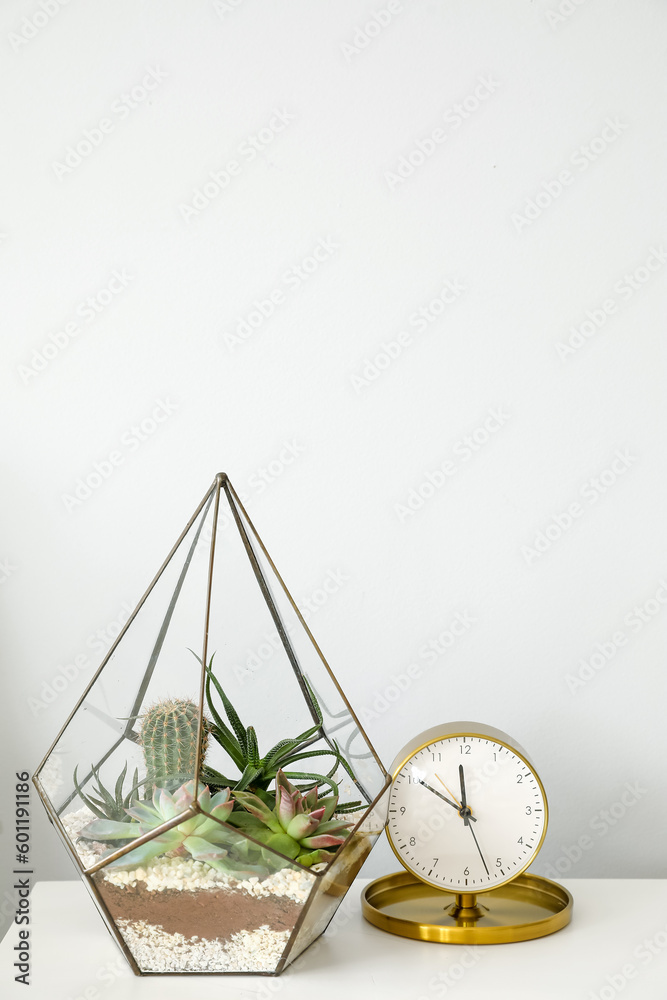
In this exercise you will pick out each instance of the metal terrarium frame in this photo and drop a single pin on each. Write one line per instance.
(331, 880)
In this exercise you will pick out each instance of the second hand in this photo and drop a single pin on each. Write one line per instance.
(465, 815)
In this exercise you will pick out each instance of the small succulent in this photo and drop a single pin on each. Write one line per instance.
(299, 826)
(108, 805)
(257, 772)
(200, 836)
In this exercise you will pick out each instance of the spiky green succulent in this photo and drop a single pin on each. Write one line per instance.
(200, 836)
(257, 772)
(299, 825)
(106, 804)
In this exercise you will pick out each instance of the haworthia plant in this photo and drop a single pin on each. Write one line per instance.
(256, 771)
(106, 804)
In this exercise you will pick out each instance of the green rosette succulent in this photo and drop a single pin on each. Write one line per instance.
(200, 836)
(299, 826)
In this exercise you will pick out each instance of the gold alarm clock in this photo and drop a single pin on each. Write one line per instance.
(467, 815)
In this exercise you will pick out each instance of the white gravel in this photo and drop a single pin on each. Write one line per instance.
(155, 950)
(89, 851)
(51, 775)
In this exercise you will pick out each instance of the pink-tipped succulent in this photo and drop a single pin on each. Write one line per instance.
(299, 826)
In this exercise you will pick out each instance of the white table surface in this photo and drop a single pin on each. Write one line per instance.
(617, 923)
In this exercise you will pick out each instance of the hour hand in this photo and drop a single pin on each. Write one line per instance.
(444, 798)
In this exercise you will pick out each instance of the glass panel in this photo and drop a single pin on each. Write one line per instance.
(334, 882)
(339, 725)
(243, 629)
(143, 709)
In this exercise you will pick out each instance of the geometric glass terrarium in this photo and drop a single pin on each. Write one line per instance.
(212, 785)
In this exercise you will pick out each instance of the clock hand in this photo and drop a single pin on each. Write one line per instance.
(441, 796)
(448, 790)
(477, 846)
(467, 816)
(465, 812)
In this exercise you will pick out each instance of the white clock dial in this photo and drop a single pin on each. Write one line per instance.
(467, 812)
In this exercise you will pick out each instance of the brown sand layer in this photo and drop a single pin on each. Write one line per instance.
(215, 914)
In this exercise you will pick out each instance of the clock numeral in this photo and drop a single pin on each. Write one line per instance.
(465, 748)
(528, 810)
(519, 779)
(435, 861)
(402, 810)
(436, 755)
(498, 863)
(412, 841)
(520, 840)
(466, 871)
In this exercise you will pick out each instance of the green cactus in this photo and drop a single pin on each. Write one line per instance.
(169, 741)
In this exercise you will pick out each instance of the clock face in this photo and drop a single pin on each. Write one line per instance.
(466, 813)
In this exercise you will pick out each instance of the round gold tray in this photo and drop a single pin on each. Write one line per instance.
(527, 907)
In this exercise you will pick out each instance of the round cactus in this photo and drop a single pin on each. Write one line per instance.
(169, 741)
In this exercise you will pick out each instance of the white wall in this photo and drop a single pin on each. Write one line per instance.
(540, 206)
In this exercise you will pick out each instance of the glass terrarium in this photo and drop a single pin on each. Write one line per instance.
(213, 785)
